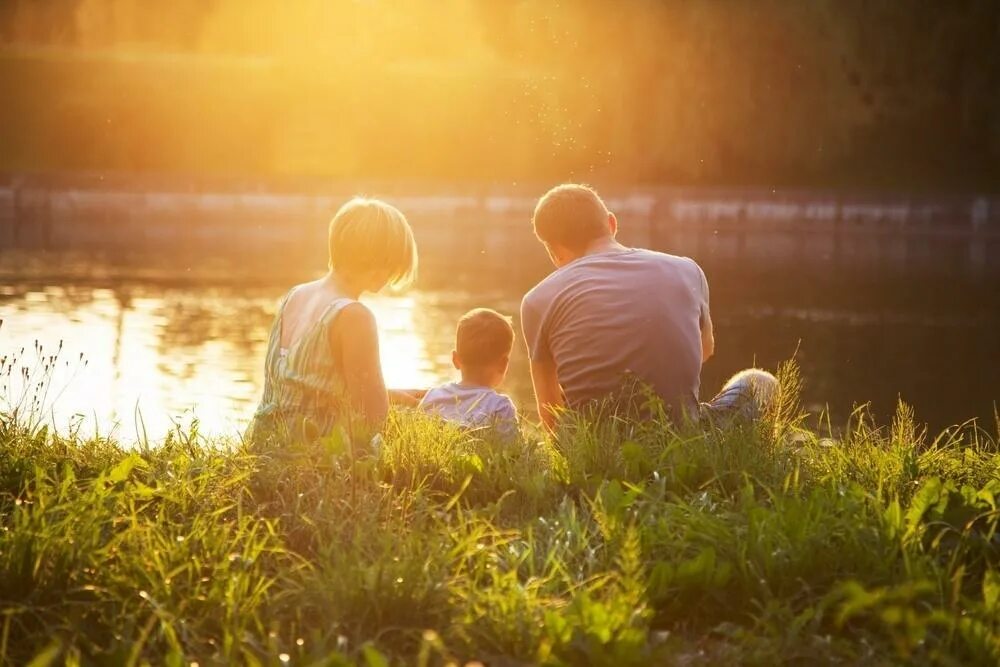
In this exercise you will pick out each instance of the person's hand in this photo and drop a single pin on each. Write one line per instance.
(409, 398)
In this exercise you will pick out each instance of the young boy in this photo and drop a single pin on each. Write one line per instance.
(483, 341)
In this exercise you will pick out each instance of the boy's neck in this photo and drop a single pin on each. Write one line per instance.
(476, 380)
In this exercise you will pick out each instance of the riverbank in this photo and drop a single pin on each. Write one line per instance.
(639, 545)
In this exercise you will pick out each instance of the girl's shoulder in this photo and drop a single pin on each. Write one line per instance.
(295, 293)
(353, 316)
(305, 289)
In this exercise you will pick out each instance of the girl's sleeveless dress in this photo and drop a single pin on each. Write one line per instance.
(303, 383)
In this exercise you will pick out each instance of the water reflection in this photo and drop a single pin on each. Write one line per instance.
(149, 357)
(159, 356)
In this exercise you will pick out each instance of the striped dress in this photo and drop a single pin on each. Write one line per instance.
(303, 386)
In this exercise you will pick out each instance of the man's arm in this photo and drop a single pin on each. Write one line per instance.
(707, 332)
(548, 394)
(707, 335)
(545, 381)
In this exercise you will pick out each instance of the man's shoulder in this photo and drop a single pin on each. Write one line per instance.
(666, 258)
(551, 284)
(676, 265)
(548, 287)
(542, 291)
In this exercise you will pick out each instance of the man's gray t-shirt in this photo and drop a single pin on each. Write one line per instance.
(629, 311)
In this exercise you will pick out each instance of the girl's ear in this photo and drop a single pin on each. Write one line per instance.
(456, 362)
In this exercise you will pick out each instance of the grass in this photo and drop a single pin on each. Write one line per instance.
(621, 543)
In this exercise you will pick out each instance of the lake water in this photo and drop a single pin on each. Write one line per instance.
(148, 342)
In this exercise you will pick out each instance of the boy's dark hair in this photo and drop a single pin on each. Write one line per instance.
(483, 336)
(570, 215)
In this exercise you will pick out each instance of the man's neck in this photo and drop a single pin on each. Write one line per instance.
(602, 245)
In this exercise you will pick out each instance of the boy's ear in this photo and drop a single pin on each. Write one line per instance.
(455, 361)
(612, 224)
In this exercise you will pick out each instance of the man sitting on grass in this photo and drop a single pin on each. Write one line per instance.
(609, 313)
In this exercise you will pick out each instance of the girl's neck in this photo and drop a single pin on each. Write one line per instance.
(341, 286)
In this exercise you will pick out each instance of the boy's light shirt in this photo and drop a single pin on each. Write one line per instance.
(472, 406)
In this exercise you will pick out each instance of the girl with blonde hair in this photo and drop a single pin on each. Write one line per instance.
(322, 365)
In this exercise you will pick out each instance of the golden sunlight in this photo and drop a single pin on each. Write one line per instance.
(153, 367)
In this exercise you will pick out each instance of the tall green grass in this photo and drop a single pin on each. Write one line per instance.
(620, 543)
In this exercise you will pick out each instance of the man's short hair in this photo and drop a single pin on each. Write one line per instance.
(483, 336)
(571, 215)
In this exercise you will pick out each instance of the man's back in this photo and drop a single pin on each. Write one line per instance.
(605, 315)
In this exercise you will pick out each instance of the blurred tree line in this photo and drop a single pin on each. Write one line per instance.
(873, 93)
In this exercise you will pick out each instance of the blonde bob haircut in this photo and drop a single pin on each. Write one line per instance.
(369, 237)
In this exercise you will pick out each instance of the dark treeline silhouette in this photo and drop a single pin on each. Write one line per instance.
(873, 93)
